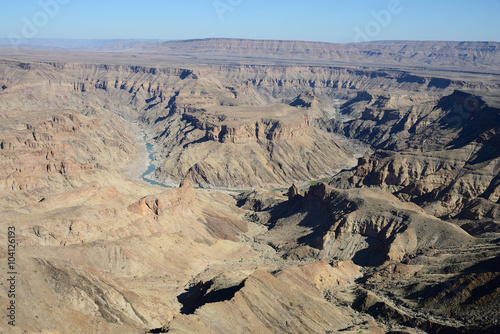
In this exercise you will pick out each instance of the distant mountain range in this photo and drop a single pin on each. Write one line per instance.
(75, 44)
(476, 56)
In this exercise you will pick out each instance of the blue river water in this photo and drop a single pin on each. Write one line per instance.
(151, 168)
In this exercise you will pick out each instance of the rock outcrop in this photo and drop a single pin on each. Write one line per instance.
(441, 158)
(292, 192)
(258, 152)
(49, 150)
(368, 226)
(167, 202)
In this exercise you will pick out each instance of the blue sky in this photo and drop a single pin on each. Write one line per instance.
(314, 20)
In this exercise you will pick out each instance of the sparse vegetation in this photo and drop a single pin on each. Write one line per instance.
(312, 183)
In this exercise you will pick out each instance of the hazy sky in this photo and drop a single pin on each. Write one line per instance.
(320, 20)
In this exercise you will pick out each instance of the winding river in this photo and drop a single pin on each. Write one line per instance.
(151, 168)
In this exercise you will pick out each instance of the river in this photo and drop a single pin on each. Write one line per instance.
(151, 168)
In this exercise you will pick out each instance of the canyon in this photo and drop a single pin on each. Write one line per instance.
(298, 187)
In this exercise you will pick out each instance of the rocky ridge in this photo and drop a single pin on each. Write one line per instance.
(442, 159)
(464, 55)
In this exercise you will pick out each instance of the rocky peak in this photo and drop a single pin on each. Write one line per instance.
(293, 191)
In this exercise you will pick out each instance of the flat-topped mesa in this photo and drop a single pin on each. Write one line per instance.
(247, 123)
(263, 129)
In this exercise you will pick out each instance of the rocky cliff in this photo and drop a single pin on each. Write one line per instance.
(458, 55)
(440, 155)
(465, 55)
(355, 224)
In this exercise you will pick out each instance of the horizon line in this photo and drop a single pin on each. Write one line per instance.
(243, 39)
